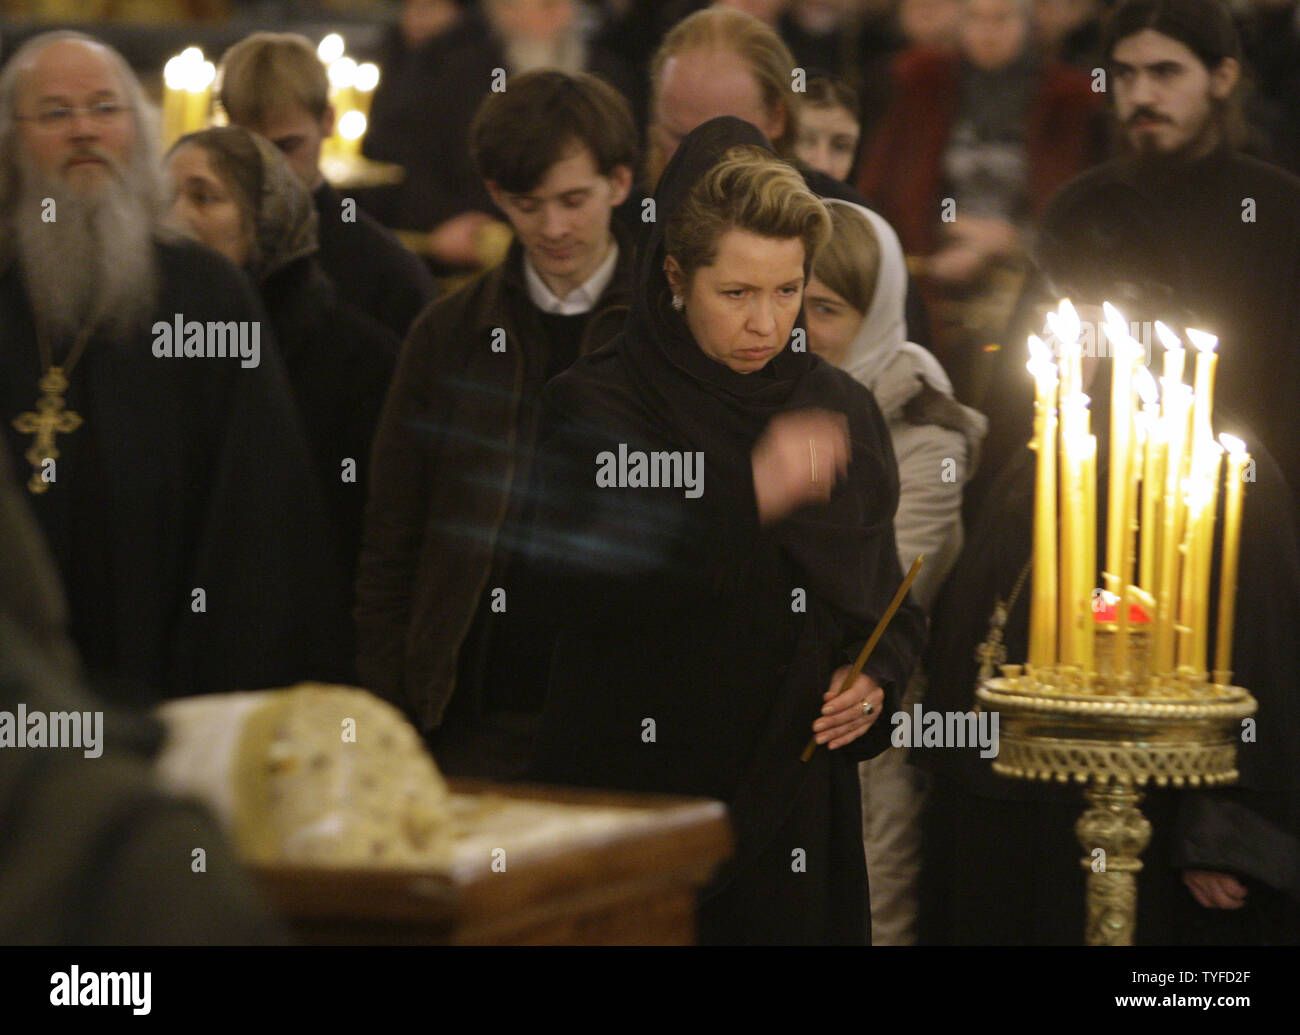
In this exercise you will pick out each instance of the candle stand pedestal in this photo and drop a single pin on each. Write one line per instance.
(1114, 736)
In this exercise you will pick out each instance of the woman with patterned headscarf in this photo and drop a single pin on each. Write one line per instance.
(234, 191)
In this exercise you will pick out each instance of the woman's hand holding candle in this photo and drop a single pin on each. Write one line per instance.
(843, 719)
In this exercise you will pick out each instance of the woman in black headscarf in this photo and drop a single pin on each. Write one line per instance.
(709, 612)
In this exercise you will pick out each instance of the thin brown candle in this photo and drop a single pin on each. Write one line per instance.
(870, 645)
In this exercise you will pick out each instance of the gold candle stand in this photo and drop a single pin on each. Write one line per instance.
(1115, 736)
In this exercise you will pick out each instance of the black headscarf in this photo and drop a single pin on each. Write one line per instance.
(653, 384)
(696, 403)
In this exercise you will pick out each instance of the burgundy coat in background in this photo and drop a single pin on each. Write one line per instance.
(902, 165)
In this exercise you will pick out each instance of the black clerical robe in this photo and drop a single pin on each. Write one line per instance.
(183, 518)
(1213, 245)
(369, 267)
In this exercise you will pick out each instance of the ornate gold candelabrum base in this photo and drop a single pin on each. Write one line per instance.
(1113, 833)
(1115, 735)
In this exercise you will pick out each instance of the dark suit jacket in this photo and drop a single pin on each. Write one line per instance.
(453, 437)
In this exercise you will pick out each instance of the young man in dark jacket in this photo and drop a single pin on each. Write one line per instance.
(445, 599)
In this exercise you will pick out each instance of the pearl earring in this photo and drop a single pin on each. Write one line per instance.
(679, 303)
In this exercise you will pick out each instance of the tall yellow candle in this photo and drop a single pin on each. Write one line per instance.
(1204, 554)
(1196, 499)
(1065, 327)
(1121, 423)
(1072, 610)
(351, 128)
(1206, 360)
(1088, 551)
(366, 80)
(1238, 460)
(1175, 354)
(173, 109)
(1203, 402)
(1128, 543)
(342, 74)
(1153, 450)
(1075, 588)
(1177, 404)
(198, 94)
(1043, 602)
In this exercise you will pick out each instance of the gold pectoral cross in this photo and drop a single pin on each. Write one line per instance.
(49, 419)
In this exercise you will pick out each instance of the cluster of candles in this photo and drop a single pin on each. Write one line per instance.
(352, 86)
(187, 94)
(1165, 468)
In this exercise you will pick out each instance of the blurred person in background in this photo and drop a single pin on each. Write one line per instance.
(828, 128)
(553, 34)
(1270, 39)
(974, 144)
(849, 40)
(930, 23)
(438, 68)
(275, 85)
(1069, 31)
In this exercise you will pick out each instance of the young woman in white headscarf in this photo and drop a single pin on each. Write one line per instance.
(854, 311)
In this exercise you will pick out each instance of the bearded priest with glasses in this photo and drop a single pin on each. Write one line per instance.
(176, 495)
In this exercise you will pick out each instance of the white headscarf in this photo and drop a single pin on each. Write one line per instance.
(880, 356)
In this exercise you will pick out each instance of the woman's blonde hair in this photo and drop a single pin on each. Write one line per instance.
(749, 189)
(849, 264)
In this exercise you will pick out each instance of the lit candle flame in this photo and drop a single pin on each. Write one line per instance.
(1146, 386)
(1064, 323)
(1203, 340)
(1115, 321)
(1069, 320)
(174, 73)
(1039, 354)
(367, 76)
(199, 76)
(331, 48)
(352, 125)
(1234, 445)
(1167, 337)
(342, 73)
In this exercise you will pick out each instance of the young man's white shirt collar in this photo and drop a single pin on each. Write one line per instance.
(582, 298)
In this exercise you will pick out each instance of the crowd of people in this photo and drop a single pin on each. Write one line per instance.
(621, 509)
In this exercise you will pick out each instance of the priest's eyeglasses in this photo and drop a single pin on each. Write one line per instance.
(101, 113)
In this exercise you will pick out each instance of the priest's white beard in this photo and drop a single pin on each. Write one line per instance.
(94, 261)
